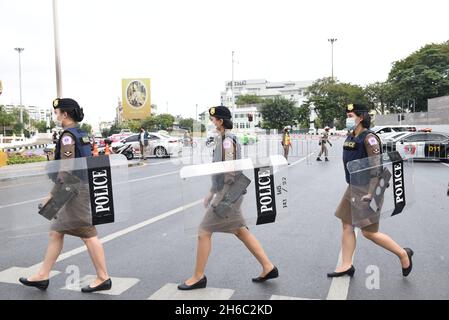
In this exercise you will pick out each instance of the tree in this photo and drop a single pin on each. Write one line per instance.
(278, 113)
(86, 127)
(422, 75)
(248, 99)
(6, 119)
(164, 121)
(381, 97)
(187, 124)
(41, 126)
(149, 123)
(302, 116)
(330, 98)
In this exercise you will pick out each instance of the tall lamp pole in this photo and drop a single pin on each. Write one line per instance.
(232, 89)
(57, 58)
(332, 40)
(19, 50)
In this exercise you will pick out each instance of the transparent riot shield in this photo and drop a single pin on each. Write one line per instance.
(381, 186)
(224, 196)
(64, 194)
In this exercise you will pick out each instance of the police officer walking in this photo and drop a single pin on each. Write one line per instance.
(286, 141)
(362, 143)
(73, 143)
(227, 148)
(323, 140)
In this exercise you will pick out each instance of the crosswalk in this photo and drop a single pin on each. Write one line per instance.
(120, 285)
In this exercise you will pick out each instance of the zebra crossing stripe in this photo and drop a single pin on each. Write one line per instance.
(170, 292)
(119, 285)
(13, 274)
(276, 297)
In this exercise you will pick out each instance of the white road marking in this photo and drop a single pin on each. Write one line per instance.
(125, 231)
(129, 181)
(119, 285)
(170, 292)
(300, 160)
(445, 164)
(340, 286)
(276, 297)
(13, 274)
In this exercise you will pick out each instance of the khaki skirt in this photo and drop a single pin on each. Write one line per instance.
(345, 211)
(230, 223)
(75, 217)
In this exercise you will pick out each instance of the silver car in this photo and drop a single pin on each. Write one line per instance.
(159, 145)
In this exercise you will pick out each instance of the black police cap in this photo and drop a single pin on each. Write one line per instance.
(65, 104)
(220, 112)
(356, 107)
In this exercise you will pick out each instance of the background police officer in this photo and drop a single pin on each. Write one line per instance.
(73, 143)
(323, 140)
(360, 144)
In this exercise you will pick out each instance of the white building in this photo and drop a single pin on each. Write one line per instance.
(291, 90)
(35, 113)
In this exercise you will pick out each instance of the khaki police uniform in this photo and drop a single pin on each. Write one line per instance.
(344, 209)
(76, 212)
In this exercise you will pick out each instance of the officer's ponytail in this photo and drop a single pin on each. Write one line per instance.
(227, 124)
(76, 114)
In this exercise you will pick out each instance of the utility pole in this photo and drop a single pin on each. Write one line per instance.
(332, 40)
(19, 50)
(57, 58)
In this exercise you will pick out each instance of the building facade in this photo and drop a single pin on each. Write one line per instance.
(290, 90)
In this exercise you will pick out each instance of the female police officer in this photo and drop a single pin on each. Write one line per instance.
(226, 149)
(73, 143)
(362, 143)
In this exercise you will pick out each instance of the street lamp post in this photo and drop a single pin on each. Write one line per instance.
(19, 50)
(332, 40)
(57, 58)
(232, 89)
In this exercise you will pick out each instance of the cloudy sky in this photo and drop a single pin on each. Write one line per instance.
(185, 46)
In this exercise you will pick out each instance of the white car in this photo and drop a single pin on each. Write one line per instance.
(389, 142)
(159, 144)
(387, 131)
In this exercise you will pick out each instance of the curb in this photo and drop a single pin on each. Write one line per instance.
(37, 146)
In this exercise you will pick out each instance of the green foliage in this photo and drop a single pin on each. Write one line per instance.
(278, 113)
(24, 158)
(248, 99)
(330, 98)
(422, 75)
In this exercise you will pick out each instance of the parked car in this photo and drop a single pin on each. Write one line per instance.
(425, 145)
(159, 145)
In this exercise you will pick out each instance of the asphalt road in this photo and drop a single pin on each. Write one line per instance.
(150, 252)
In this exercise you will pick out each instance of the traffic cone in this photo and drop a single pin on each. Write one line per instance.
(106, 150)
(95, 151)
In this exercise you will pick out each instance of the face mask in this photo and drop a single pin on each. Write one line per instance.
(58, 122)
(350, 124)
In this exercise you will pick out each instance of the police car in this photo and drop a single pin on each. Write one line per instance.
(424, 145)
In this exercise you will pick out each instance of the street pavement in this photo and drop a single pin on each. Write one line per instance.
(149, 253)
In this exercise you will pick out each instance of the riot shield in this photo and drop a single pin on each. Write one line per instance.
(64, 194)
(380, 186)
(224, 196)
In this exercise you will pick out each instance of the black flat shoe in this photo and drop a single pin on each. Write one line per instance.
(41, 285)
(106, 285)
(406, 271)
(318, 159)
(270, 275)
(199, 285)
(349, 272)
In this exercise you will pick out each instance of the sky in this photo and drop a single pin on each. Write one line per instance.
(185, 47)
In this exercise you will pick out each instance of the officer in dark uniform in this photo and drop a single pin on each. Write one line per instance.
(227, 148)
(362, 143)
(73, 143)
